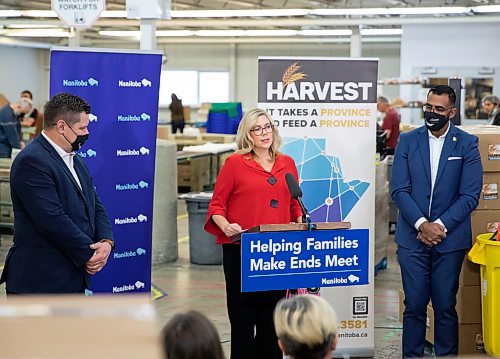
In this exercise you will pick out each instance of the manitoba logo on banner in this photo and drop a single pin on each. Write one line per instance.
(122, 89)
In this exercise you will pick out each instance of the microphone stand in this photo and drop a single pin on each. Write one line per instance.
(306, 218)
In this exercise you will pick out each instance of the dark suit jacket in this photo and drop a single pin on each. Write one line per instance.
(496, 120)
(456, 190)
(55, 222)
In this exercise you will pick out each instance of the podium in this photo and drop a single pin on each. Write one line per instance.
(293, 227)
(289, 256)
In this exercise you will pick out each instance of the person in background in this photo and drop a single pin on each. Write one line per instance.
(251, 190)
(436, 183)
(491, 105)
(390, 124)
(28, 121)
(306, 327)
(191, 336)
(9, 134)
(177, 115)
(62, 234)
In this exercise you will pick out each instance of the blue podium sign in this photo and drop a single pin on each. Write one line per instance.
(304, 259)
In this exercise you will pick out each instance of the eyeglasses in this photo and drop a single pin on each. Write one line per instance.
(435, 109)
(259, 131)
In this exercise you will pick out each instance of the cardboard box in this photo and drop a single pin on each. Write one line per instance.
(489, 198)
(429, 325)
(163, 132)
(484, 221)
(75, 326)
(470, 274)
(469, 304)
(401, 305)
(470, 339)
(489, 146)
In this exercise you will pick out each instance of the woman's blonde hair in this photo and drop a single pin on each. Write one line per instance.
(244, 139)
(306, 325)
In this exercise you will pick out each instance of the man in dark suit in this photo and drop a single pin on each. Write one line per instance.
(62, 234)
(436, 183)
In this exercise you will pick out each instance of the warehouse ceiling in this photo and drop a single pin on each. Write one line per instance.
(237, 21)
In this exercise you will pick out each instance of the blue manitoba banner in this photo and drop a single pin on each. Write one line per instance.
(122, 89)
(304, 259)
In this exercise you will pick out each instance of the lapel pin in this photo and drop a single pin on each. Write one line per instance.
(454, 139)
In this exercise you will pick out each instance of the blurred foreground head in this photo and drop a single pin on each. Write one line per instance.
(306, 327)
(191, 336)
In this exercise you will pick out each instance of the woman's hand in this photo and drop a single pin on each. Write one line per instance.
(232, 229)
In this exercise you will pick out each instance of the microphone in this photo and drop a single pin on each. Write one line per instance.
(296, 193)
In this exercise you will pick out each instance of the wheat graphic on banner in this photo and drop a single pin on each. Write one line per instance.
(291, 75)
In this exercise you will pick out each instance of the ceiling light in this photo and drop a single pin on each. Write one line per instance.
(239, 13)
(118, 33)
(114, 13)
(237, 33)
(486, 9)
(11, 13)
(174, 33)
(31, 26)
(339, 32)
(39, 13)
(443, 10)
(38, 33)
(375, 32)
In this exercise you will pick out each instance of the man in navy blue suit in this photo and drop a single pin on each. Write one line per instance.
(436, 183)
(62, 234)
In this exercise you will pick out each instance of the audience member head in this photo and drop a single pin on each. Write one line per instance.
(306, 327)
(383, 104)
(489, 103)
(23, 105)
(191, 336)
(66, 107)
(27, 94)
(250, 134)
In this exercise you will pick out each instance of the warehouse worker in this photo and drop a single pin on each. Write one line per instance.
(390, 124)
(9, 134)
(436, 182)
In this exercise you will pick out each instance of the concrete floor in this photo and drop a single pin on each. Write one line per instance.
(189, 286)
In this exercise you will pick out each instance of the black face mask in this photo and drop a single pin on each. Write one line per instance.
(434, 121)
(78, 142)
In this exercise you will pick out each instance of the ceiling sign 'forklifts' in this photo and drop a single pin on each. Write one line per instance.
(78, 13)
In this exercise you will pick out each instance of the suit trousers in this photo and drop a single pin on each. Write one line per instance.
(428, 274)
(250, 314)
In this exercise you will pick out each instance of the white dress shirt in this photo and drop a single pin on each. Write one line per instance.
(66, 157)
(435, 149)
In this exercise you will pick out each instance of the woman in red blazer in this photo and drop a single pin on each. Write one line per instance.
(251, 190)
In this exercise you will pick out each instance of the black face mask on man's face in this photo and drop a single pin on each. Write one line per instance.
(79, 140)
(434, 121)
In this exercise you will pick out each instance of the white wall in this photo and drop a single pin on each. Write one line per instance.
(23, 68)
(452, 50)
